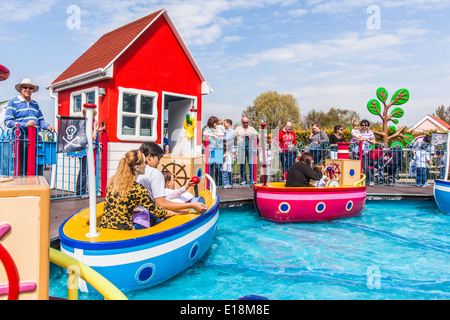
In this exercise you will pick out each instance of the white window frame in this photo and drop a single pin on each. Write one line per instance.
(83, 94)
(120, 114)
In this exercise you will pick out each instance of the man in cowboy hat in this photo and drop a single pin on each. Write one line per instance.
(25, 112)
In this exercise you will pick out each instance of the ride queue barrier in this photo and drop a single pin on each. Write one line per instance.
(227, 163)
(60, 170)
(382, 165)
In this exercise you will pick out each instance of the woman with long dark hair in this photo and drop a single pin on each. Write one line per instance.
(302, 172)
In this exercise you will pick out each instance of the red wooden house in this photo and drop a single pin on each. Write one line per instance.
(144, 81)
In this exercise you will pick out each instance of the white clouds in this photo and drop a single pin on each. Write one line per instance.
(200, 22)
(298, 12)
(347, 6)
(229, 39)
(338, 7)
(345, 47)
(24, 10)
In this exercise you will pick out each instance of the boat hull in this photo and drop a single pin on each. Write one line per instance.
(308, 204)
(441, 192)
(143, 262)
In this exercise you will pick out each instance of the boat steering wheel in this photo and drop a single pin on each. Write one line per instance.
(333, 170)
(179, 173)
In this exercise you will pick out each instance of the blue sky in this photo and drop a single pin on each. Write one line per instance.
(325, 53)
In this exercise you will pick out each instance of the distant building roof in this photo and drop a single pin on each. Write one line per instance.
(431, 123)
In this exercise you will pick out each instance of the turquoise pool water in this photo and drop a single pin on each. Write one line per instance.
(395, 250)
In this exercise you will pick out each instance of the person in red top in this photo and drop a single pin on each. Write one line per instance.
(286, 138)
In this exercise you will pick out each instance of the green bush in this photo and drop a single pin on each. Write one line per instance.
(303, 135)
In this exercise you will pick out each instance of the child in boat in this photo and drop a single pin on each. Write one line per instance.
(180, 195)
(320, 183)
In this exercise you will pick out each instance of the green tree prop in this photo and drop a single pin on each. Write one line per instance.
(400, 97)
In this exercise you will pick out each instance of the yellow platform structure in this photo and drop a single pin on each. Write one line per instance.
(346, 171)
(184, 168)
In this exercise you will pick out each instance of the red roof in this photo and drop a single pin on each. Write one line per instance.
(107, 48)
(441, 122)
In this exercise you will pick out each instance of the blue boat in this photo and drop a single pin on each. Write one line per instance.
(142, 258)
(441, 188)
(441, 192)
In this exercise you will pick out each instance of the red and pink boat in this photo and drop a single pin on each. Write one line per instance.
(275, 202)
(342, 198)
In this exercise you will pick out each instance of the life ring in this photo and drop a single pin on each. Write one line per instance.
(189, 127)
(333, 183)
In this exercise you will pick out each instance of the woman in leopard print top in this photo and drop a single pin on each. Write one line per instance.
(124, 194)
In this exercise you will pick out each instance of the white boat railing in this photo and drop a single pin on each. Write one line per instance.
(212, 186)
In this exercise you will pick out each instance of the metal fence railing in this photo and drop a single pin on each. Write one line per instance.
(234, 164)
(34, 153)
(231, 164)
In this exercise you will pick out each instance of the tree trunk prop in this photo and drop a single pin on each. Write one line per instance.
(400, 97)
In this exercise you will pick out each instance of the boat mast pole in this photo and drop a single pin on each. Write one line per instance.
(263, 150)
(91, 172)
(448, 156)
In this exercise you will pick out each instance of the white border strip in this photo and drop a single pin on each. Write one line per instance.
(442, 188)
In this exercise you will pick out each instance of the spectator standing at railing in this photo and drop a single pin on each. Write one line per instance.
(367, 138)
(418, 142)
(334, 139)
(209, 132)
(228, 144)
(81, 188)
(25, 112)
(215, 155)
(355, 130)
(288, 151)
(423, 161)
(417, 145)
(441, 165)
(316, 139)
(245, 134)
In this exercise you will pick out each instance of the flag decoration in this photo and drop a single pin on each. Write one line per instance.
(72, 134)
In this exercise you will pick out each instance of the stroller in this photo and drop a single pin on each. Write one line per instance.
(392, 161)
(373, 166)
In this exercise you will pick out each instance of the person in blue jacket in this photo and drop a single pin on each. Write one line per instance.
(25, 112)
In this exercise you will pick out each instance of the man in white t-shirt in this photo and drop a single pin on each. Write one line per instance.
(245, 136)
(153, 180)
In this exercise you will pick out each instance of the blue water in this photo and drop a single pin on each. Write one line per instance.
(395, 250)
